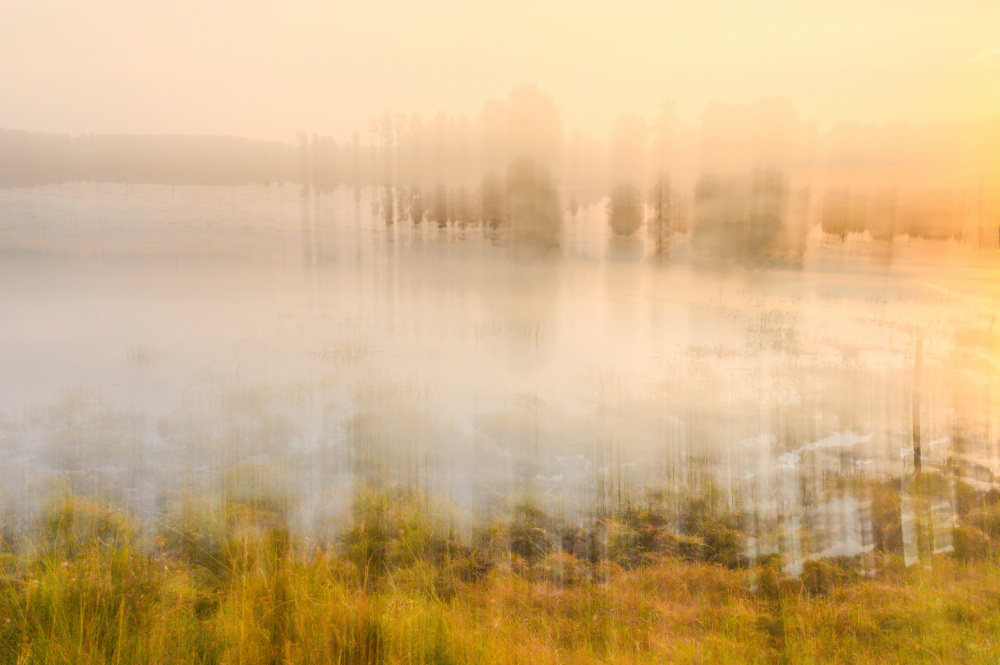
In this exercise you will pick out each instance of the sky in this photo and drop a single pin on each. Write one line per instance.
(267, 69)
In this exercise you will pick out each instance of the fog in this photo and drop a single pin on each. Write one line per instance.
(738, 258)
(266, 71)
(163, 339)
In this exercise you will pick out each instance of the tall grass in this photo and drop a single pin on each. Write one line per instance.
(229, 583)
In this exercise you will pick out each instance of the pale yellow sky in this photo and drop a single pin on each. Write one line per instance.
(267, 69)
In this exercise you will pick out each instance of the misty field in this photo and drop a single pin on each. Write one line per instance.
(259, 424)
(522, 332)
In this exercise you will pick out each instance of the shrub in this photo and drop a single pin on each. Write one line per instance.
(887, 529)
(393, 529)
(820, 577)
(986, 520)
(970, 543)
(530, 532)
(73, 525)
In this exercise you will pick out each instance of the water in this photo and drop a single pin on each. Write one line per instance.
(160, 338)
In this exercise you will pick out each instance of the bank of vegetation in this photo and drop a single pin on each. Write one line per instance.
(230, 582)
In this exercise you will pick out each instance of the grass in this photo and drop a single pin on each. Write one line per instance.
(231, 584)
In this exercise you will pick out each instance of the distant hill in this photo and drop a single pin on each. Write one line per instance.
(29, 158)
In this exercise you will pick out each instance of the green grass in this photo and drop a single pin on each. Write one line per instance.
(233, 586)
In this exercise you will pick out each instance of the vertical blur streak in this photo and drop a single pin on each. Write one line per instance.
(692, 340)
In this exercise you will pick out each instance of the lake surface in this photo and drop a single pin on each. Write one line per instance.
(157, 338)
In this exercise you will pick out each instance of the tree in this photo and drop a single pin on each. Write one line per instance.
(417, 207)
(625, 210)
(535, 216)
(627, 170)
(662, 222)
(493, 200)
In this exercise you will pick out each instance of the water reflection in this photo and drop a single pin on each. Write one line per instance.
(308, 347)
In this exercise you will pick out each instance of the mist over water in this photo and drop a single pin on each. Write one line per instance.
(452, 332)
(160, 339)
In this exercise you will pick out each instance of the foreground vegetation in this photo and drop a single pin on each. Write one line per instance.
(231, 585)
